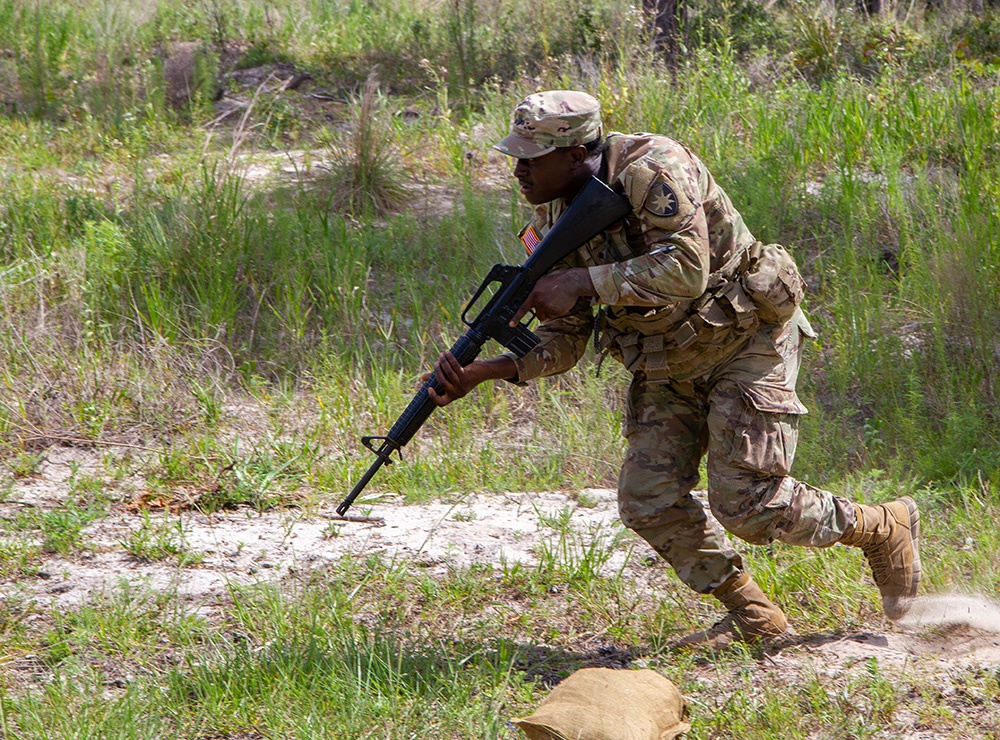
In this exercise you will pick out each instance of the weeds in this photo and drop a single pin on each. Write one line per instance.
(157, 540)
(210, 475)
(59, 530)
(25, 464)
(19, 559)
(154, 295)
(366, 175)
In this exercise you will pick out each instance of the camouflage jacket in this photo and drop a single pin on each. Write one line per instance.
(651, 270)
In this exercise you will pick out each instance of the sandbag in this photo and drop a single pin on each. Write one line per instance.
(608, 704)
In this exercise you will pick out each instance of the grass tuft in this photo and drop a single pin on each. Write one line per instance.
(365, 173)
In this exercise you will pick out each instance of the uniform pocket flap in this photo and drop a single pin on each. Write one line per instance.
(773, 399)
(714, 315)
(653, 344)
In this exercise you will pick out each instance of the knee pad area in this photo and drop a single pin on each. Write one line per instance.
(756, 512)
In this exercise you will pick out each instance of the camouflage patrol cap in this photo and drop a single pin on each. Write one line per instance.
(555, 118)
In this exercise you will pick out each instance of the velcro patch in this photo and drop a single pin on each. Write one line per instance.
(529, 237)
(662, 200)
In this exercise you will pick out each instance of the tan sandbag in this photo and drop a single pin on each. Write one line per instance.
(608, 704)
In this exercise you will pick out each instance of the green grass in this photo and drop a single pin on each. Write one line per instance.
(158, 540)
(60, 529)
(880, 188)
(232, 340)
(380, 649)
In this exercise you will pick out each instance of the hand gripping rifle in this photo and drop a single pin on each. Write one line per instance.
(595, 208)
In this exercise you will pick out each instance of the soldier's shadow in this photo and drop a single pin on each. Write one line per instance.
(549, 665)
(816, 640)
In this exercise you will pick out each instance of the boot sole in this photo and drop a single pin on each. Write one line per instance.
(896, 607)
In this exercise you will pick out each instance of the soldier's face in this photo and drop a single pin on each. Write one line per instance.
(548, 177)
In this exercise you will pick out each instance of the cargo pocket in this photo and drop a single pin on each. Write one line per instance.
(765, 430)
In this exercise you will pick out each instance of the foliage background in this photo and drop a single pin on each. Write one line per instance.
(866, 144)
(216, 208)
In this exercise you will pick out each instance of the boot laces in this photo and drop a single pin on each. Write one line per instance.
(881, 568)
(723, 626)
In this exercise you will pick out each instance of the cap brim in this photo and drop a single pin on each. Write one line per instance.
(514, 146)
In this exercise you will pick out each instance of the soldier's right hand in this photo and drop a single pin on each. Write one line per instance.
(454, 381)
(555, 294)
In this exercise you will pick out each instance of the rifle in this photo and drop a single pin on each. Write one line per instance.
(595, 208)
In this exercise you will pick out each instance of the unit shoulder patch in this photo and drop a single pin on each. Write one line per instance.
(661, 200)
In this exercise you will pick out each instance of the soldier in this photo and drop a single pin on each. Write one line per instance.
(707, 319)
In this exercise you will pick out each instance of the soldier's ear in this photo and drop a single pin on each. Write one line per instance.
(578, 155)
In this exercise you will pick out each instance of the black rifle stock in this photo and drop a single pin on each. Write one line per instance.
(594, 209)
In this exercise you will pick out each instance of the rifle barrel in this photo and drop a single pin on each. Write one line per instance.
(381, 458)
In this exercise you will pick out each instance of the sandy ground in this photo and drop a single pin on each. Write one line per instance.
(944, 633)
(245, 546)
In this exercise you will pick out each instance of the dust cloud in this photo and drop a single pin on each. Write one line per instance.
(953, 610)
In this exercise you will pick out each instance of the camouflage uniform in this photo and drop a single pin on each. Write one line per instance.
(712, 372)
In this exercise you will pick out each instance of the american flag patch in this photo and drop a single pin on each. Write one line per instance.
(530, 238)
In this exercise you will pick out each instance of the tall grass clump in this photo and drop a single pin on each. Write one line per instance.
(65, 62)
(365, 169)
(905, 214)
(475, 40)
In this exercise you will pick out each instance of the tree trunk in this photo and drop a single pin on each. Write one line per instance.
(872, 8)
(666, 26)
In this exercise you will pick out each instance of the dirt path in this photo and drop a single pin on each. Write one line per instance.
(944, 634)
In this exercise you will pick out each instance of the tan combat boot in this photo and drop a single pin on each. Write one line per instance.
(752, 617)
(887, 535)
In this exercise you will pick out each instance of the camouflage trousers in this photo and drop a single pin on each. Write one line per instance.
(744, 416)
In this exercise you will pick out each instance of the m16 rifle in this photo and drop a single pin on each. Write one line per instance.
(595, 208)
